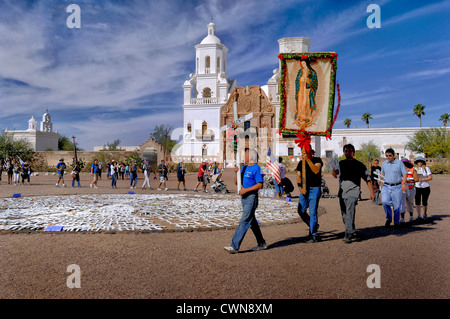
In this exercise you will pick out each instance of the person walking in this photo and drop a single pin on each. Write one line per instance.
(133, 175)
(146, 170)
(16, 173)
(94, 173)
(113, 172)
(61, 167)
(10, 171)
(26, 172)
(394, 175)
(162, 170)
(423, 189)
(310, 195)
(410, 193)
(76, 169)
(181, 172)
(279, 187)
(375, 170)
(100, 168)
(122, 170)
(252, 181)
(200, 176)
(351, 171)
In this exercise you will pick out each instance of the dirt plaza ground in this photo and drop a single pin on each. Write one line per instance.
(413, 261)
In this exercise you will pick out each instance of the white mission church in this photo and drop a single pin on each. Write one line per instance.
(208, 105)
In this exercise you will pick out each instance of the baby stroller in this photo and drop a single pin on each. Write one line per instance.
(218, 185)
(324, 189)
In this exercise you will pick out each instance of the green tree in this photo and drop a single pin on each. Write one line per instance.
(367, 152)
(65, 144)
(13, 149)
(366, 117)
(419, 111)
(347, 122)
(433, 142)
(445, 118)
(161, 134)
(114, 146)
(134, 158)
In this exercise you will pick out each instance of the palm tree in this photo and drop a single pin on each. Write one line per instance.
(418, 110)
(366, 117)
(444, 118)
(348, 122)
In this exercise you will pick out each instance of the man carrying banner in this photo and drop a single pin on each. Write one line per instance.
(310, 192)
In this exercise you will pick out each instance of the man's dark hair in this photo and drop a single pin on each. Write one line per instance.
(350, 146)
(390, 150)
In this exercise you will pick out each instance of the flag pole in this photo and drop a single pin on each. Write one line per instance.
(238, 164)
(303, 169)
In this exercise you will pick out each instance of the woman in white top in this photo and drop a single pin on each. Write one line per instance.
(422, 186)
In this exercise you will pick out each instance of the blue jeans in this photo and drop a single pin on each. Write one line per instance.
(311, 200)
(392, 195)
(248, 220)
(133, 178)
(113, 180)
(278, 187)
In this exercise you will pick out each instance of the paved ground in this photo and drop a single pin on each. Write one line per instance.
(413, 261)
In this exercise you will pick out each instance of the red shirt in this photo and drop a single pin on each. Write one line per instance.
(200, 170)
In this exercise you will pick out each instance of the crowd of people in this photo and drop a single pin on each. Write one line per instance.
(396, 185)
(19, 173)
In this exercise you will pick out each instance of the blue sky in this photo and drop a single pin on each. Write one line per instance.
(120, 74)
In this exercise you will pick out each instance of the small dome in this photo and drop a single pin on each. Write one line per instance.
(32, 120)
(211, 37)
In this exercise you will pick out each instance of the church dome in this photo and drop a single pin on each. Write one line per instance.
(211, 38)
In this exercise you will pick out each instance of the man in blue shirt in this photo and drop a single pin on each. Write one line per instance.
(395, 174)
(252, 181)
(61, 167)
(94, 173)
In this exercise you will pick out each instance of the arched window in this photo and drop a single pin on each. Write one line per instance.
(207, 63)
(206, 92)
(218, 64)
(189, 127)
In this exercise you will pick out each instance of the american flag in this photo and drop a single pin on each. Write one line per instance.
(272, 164)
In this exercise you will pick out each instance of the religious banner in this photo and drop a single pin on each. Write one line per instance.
(308, 82)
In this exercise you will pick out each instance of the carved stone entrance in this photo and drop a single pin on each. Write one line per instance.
(260, 127)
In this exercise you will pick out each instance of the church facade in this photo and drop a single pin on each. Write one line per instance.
(208, 105)
(40, 139)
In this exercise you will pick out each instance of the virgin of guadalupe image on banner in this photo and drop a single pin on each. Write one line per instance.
(308, 82)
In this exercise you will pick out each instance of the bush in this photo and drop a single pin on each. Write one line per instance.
(439, 168)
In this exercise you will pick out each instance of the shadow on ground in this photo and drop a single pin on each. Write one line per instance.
(368, 233)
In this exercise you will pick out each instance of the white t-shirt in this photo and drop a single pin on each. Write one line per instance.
(423, 172)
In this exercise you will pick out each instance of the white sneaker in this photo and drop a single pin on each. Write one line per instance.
(260, 247)
(64, 185)
(55, 185)
(90, 185)
(158, 189)
(166, 189)
(231, 249)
